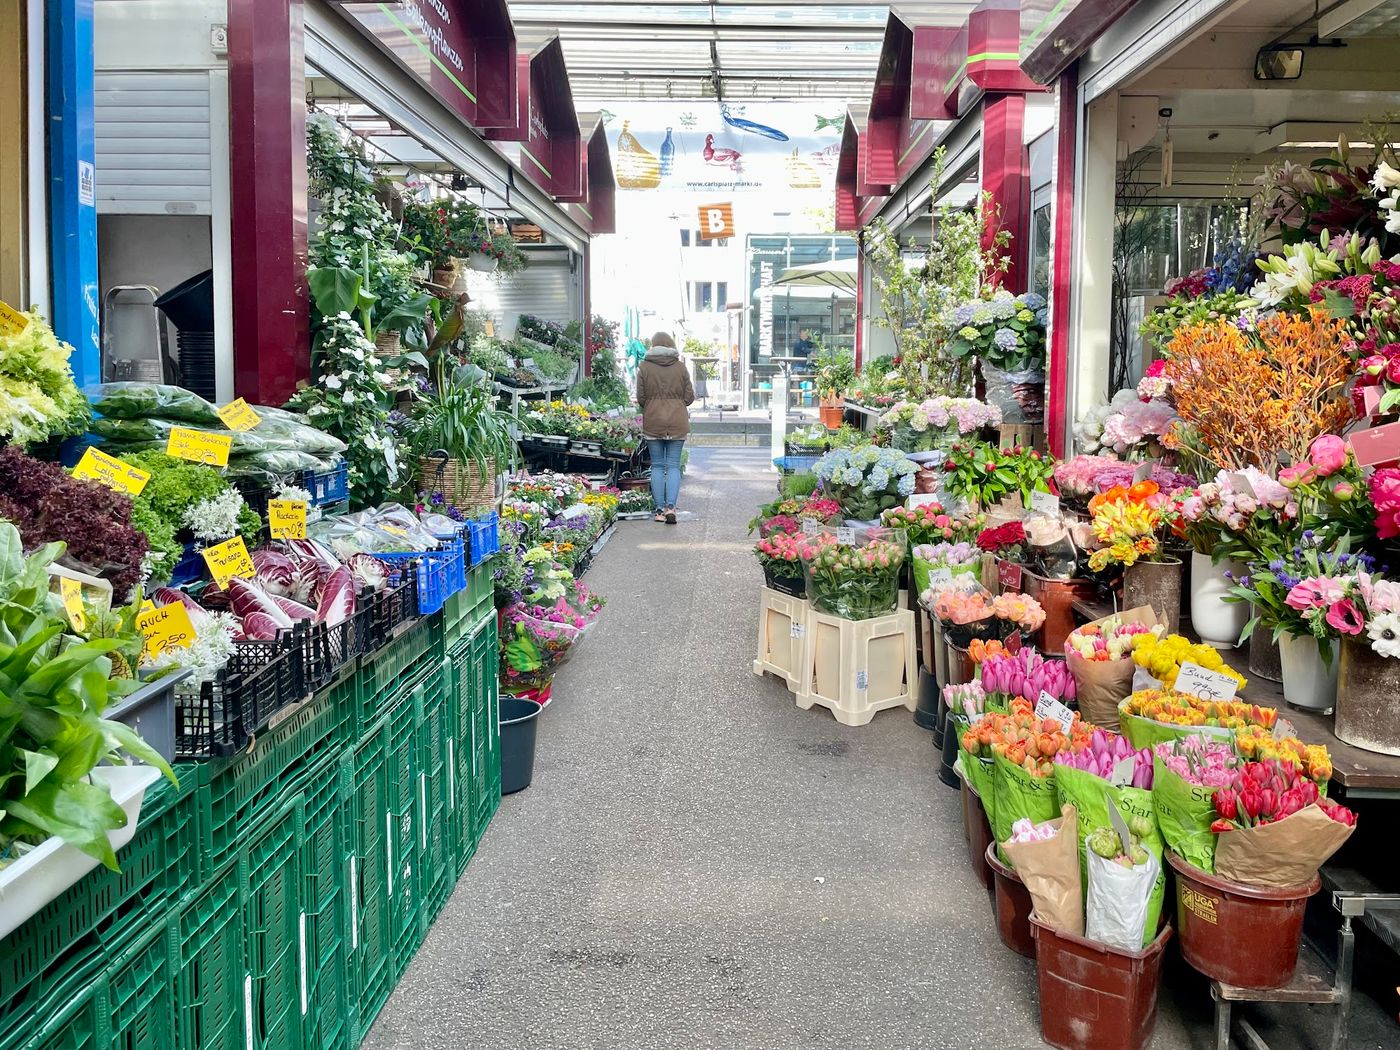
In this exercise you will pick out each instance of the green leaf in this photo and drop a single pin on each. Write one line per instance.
(123, 737)
(37, 765)
(80, 813)
(47, 679)
(1389, 401)
(18, 660)
(337, 290)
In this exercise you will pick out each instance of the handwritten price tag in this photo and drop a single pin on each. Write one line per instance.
(922, 499)
(72, 594)
(166, 627)
(229, 559)
(12, 322)
(112, 472)
(810, 527)
(1048, 707)
(1045, 503)
(940, 577)
(239, 415)
(1208, 685)
(845, 534)
(1009, 575)
(199, 447)
(286, 519)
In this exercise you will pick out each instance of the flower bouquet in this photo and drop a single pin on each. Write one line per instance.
(780, 555)
(867, 480)
(1099, 655)
(930, 523)
(924, 426)
(966, 615)
(1026, 674)
(1187, 772)
(1162, 657)
(981, 474)
(1152, 716)
(533, 647)
(968, 699)
(1255, 744)
(856, 581)
(1244, 514)
(944, 560)
(1007, 541)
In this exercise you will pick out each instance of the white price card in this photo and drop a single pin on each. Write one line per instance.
(923, 499)
(1195, 680)
(941, 576)
(810, 527)
(845, 534)
(1045, 503)
(1122, 775)
(1048, 707)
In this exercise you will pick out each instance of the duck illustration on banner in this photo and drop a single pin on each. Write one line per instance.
(749, 125)
(721, 156)
(801, 175)
(637, 168)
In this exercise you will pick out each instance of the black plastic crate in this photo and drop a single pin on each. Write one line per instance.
(329, 649)
(218, 718)
(388, 609)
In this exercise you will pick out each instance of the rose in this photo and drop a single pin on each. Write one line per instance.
(1328, 453)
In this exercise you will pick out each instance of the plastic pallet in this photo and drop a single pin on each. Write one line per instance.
(101, 911)
(207, 933)
(858, 667)
(782, 630)
(270, 872)
(483, 537)
(140, 994)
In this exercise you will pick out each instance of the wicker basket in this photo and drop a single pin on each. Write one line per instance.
(460, 483)
(388, 344)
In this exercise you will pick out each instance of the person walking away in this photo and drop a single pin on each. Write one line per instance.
(664, 393)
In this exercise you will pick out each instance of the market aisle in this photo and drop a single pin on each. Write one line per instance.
(701, 864)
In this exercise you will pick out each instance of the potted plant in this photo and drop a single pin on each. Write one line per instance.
(866, 480)
(980, 474)
(836, 373)
(461, 439)
(780, 555)
(1006, 333)
(851, 580)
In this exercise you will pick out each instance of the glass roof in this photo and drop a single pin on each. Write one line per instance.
(751, 49)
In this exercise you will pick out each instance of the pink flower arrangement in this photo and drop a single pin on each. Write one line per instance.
(1026, 673)
(1154, 383)
(1020, 609)
(1109, 640)
(1102, 755)
(1079, 477)
(969, 699)
(821, 508)
(960, 607)
(1136, 423)
(780, 523)
(1384, 488)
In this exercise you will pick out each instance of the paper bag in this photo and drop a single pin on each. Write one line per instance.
(1050, 870)
(1018, 794)
(1101, 685)
(1285, 853)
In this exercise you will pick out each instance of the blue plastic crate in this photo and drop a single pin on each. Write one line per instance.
(484, 536)
(441, 573)
(189, 568)
(327, 486)
(796, 464)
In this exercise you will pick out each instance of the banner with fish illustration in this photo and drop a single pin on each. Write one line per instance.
(722, 148)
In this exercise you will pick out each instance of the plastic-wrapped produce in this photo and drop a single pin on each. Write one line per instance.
(153, 401)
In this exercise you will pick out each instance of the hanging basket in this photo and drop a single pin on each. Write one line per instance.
(460, 483)
(388, 344)
(483, 263)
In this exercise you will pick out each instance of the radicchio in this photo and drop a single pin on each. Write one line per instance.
(276, 571)
(336, 602)
(248, 598)
(369, 571)
(306, 551)
(259, 627)
(294, 609)
(199, 616)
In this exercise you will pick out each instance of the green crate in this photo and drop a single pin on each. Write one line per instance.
(326, 912)
(239, 791)
(481, 583)
(270, 870)
(436, 782)
(468, 607)
(365, 772)
(140, 993)
(463, 676)
(487, 798)
(405, 659)
(207, 935)
(100, 911)
(402, 832)
(71, 1015)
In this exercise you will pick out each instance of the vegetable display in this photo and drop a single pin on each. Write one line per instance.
(38, 398)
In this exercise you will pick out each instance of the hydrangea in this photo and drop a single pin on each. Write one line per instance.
(1033, 301)
(1003, 307)
(1005, 338)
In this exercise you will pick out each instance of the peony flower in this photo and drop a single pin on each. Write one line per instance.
(1345, 617)
(1328, 454)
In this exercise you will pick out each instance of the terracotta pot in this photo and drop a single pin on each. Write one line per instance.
(1367, 709)
(1158, 584)
(832, 417)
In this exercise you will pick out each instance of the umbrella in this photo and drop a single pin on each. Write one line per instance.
(839, 275)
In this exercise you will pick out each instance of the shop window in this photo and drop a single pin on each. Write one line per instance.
(704, 297)
(721, 295)
(1040, 250)
(685, 238)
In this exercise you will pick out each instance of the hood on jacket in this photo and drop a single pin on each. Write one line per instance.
(663, 355)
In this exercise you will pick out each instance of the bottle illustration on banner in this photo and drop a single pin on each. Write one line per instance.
(637, 167)
(801, 175)
(668, 155)
(722, 156)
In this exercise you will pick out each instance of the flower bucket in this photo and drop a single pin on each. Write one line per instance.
(1013, 904)
(1265, 659)
(795, 586)
(979, 834)
(1243, 935)
(519, 732)
(1057, 598)
(947, 774)
(1093, 996)
(1216, 621)
(1156, 584)
(1308, 683)
(1367, 715)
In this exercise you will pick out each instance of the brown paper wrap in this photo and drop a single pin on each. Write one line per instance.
(1102, 686)
(1050, 870)
(1285, 853)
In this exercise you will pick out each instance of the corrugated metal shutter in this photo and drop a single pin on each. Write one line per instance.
(546, 289)
(152, 143)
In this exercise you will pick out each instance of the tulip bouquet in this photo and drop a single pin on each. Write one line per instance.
(968, 699)
(1025, 674)
(957, 607)
(1099, 655)
(975, 747)
(1019, 610)
(981, 650)
(930, 523)
(1023, 767)
(960, 559)
(1162, 658)
(1256, 744)
(1199, 760)
(1151, 716)
(1265, 792)
(854, 582)
(1101, 755)
(1107, 640)
(1187, 772)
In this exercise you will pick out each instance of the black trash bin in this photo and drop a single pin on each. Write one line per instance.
(519, 725)
(190, 307)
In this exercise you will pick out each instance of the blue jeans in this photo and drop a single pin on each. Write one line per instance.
(665, 471)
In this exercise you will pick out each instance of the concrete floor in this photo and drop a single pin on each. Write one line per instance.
(699, 864)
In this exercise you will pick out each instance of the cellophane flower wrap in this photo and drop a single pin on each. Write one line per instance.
(867, 480)
(930, 523)
(856, 579)
(1187, 772)
(959, 559)
(780, 554)
(1153, 716)
(533, 646)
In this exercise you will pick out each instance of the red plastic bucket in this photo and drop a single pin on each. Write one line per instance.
(1013, 903)
(1243, 935)
(1093, 996)
(979, 833)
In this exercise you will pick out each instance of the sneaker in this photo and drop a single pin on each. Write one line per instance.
(671, 516)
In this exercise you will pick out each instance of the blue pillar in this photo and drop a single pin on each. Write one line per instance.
(72, 184)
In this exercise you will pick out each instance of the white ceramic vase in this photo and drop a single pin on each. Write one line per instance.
(1308, 683)
(1217, 621)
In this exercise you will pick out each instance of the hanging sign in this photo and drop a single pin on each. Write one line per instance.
(12, 322)
(286, 519)
(165, 627)
(239, 415)
(199, 446)
(110, 471)
(716, 221)
(229, 559)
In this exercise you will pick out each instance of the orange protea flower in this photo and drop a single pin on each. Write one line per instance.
(1256, 398)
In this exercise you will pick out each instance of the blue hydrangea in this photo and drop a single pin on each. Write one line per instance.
(1032, 301)
(963, 314)
(1003, 307)
(1005, 339)
(906, 484)
(982, 314)
(879, 479)
(1042, 316)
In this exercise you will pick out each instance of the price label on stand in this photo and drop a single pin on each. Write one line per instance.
(845, 534)
(12, 321)
(198, 446)
(239, 415)
(1195, 680)
(286, 519)
(1009, 575)
(1048, 707)
(229, 559)
(1045, 503)
(1143, 472)
(940, 576)
(810, 527)
(72, 594)
(112, 472)
(799, 629)
(165, 627)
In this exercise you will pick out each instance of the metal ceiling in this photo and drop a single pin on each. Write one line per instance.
(744, 49)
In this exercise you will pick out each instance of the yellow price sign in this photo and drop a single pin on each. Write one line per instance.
(286, 519)
(239, 415)
(199, 446)
(97, 466)
(394, 530)
(146, 605)
(12, 321)
(72, 594)
(165, 627)
(229, 559)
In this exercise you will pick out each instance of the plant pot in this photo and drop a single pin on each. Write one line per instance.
(1367, 715)
(1158, 584)
(1013, 904)
(940, 651)
(1308, 683)
(833, 417)
(1243, 935)
(445, 277)
(31, 882)
(979, 834)
(1093, 996)
(519, 728)
(461, 484)
(1216, 621)
(1265, 659)
(795, 586)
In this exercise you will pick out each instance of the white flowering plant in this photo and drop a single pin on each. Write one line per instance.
(1006, 331)
(867, 479)
(215, 519)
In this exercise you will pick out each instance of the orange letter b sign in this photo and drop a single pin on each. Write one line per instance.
(716, 221)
